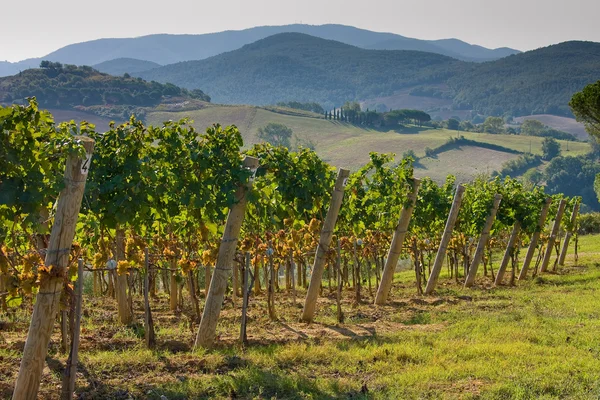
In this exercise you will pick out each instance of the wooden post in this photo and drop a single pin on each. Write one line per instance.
(173, 285)
(565, 246)
(338, 297)
(554, 232)
(483, 238)
(272, 277)
(148, 323)
(51, 286)
(218, 284)
(234, 283)
(293, 276)
(310, 303)
(121, 281)
(510, 249)
(245, 295)
(396, 246)
(535, 238)
(71, 369)
(447, 235)
(193, 298)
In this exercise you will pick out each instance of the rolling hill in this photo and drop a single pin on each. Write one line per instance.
(541, 81)
(168, 49)
(70, 87)
(346, 145)
(293, 66)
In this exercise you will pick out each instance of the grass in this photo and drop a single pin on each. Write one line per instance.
(346, 145)
(538, 340)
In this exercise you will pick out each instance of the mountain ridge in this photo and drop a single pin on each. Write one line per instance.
(171, 48)
(299, 67)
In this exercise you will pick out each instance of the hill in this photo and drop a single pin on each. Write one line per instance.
(294, 66)
(168, 49)
(564, 124)
(541, 81)
(121, 66)
(299, 67)
(69, 86)
(346, 145)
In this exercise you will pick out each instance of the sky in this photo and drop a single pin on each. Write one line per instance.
(38, 27)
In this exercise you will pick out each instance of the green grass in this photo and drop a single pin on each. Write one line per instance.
(346, 145)
(538, 340)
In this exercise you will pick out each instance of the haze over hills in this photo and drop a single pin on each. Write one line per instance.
(299, 67)
(167, 49)
(295, 66)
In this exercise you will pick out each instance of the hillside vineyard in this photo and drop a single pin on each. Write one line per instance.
(169, 208)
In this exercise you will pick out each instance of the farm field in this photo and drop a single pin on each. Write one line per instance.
(561, 123)
(536, 340)
(346, 145)
(464, 162)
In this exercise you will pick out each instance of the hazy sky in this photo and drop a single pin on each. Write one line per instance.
(37, 27)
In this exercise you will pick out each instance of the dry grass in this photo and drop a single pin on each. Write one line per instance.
(536, 340)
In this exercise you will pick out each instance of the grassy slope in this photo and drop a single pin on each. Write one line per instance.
(536, 340)
(345, 145)
(561, 123)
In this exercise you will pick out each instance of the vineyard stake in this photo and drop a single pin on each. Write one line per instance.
(148, 323)
(71, 367)
(554, 232)
(310, 303)
(535, 238)
(245, 294)
(218, 284)
(57, 258)
(510, 249)
(387, 276)
(441, 254)
(483, 238)
(565, 246)
(121, 281)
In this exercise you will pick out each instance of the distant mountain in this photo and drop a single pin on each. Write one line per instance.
(167, 49)
(295, 66)
(540, 81)
(121, 66)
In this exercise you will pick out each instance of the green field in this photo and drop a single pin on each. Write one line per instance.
(346, 145)
(538, 340)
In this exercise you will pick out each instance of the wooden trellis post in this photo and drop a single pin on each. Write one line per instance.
(218, 284)
(510, 249)
(387, 276)
(441, 254)
(483, 238)
(553, 233)
(565, 246)
(535, 238)
(71, 369)
(310, 303)
(51, 286)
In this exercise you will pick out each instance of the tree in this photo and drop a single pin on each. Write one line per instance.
(532, 127)
(550, 148)
(493, 125)
(453, 124)
(573, 176)
(276, 134)
(586, 108)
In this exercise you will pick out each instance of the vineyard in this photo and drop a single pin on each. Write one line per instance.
(147, 213)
